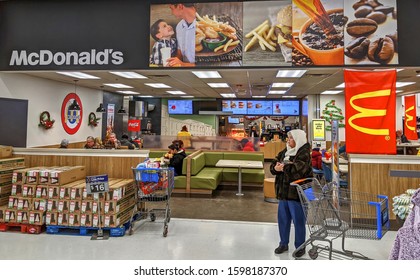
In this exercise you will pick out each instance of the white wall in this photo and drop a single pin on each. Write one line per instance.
(47, 95)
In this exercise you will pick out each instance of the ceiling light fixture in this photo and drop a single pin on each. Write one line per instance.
(277, 92)
(343, 85)
(285, 85)
(187, 96)
(128, 92)
(157, 85)
(118, 86)
(78, 75)
(228, 95)
(218, 85)
(129, 75)
(259, 96)
(403, 84)
(176, 92)
(289, 96)
(331, 92)
(290, 73)
(207, 74)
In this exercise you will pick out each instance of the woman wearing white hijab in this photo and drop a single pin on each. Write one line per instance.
(291, 164)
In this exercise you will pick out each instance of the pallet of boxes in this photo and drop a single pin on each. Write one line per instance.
(10, 217)
(71, 210)
(28, 200)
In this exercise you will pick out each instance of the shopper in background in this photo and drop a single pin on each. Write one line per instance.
(180, 144)
(247, 145)
(112, 142)
(185, 136)
(291, 164)
(316, 159)
(401, 138)
(64, 144)
(90, 142)
(98, 143)
(176, 158)
(126, 142)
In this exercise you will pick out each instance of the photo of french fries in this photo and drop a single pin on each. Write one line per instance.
(266, 41)
(262, 35)
(213, 35)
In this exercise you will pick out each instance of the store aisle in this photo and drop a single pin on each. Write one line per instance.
(187, 239)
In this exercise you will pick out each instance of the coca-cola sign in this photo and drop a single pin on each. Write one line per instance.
(134, 125)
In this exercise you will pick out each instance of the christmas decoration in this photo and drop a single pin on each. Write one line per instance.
(93, 120)
(332, 112)
(45, 120)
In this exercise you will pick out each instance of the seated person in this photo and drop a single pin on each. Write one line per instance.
(247, 145)
(401, 138)
(126, 142)
(112, 142)
(316, 159)
(64, 144)
(180, 144)
(90, 143)
(176, 157)
(98, 143)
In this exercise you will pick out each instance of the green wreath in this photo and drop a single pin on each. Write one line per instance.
(45, 120)
(93, 120)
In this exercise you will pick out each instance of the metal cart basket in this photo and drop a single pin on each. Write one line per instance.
(153, 192)
(333, 212)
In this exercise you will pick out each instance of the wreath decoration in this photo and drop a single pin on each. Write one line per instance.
(93, 120)
(45, 120)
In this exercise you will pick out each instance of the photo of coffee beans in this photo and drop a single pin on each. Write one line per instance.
(381, 50)
(370, 34)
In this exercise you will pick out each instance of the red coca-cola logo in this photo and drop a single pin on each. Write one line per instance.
(134, 125)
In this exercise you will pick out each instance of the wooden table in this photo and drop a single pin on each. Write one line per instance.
(255, 164)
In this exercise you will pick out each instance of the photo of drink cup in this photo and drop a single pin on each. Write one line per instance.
(166, 54)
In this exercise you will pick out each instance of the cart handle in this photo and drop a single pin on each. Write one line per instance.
(302, 181)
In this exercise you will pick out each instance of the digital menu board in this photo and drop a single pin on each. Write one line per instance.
(238, 107)
(260, 107)
(180, 107)
(286, 108)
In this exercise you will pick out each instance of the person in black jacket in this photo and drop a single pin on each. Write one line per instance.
(291, 164)
(177, 157)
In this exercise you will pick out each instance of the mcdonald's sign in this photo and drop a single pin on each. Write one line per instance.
(370, 111)
(410, 117)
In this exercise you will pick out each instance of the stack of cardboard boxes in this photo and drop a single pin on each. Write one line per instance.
(27, 203)
(71, 205)
(7, 165)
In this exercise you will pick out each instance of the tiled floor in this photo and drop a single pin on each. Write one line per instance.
(187, 239)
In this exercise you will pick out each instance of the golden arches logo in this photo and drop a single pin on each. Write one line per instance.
(369, 113)
(409, 118)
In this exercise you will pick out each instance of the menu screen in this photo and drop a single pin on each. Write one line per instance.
(286, 107)
(180, 107)
(238, 107)
(260, 107)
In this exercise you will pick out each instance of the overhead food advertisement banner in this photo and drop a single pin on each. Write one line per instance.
(370, 111)
(410, 117)
(280, 33)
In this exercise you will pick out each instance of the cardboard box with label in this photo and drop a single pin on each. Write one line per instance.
(4, 199)
(119, 189)
(52, 205)
(6, 151)
(114, 220)
(63, 205)
(97, 220)
(2, 213)
(74, 205)
(51, 218)
(85, 220)
(28, 190)
(86, 206)
(74, 219)
(10, 215)
(32, 176)
(41, 191)
(63, 219)
(67, 174)
(6, 176)
(22, 216)
(19, 175)
(53, 192)
(13, 202)
(16, 190)
(24, 203)
(39, 204)
(113, 206)
(36, 217)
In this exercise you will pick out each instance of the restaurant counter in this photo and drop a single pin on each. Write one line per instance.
(115, 163)
(389, 175)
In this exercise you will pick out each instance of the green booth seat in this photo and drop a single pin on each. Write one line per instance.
(180, 182)
(208, 178)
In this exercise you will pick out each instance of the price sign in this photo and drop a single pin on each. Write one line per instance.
(97, 184)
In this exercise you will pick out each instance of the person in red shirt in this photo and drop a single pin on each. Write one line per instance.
(247, 146)
(316, 159)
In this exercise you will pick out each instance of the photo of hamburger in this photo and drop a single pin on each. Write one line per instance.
(284, 26)
(249, 105)
(232, 104)
(258, 105)
(241, 104)
(225, 104)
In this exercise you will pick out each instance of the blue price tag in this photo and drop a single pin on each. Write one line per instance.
(97, 184)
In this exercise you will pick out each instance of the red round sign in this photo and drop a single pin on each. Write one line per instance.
(71, 113)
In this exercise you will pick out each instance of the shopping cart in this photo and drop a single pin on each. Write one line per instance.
(154, 188)
(333, 212)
